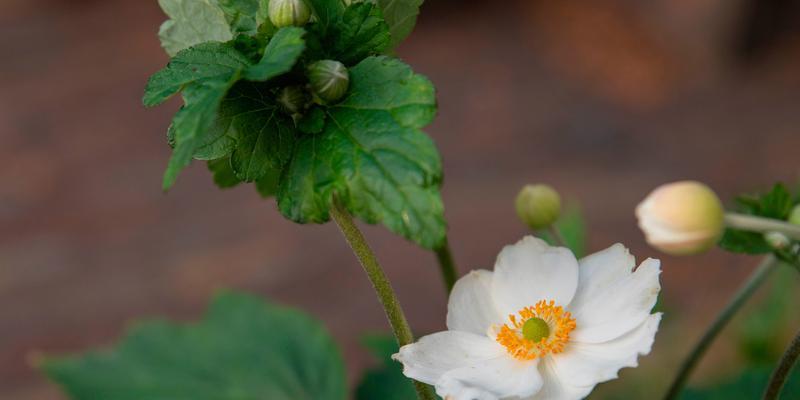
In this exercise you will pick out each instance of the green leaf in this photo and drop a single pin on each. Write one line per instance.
(280, 55)
(776, 204)
(204, 62)
(192, 22)
(242, 349)
(572, 227)
(362, 33)
(267, 185)
(401, 15)
(265, 134)
(385, 382)
(372, 155)
(327, 12)
(240, 14)
(193, 121)
(313, 121)
(223, 173)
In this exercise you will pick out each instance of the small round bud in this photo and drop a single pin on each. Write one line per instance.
(289, 12)
(777, 240)
(329, 80)
(794, 216)
(681, 218)
(535, 329)
(538, 206)
(293, 99)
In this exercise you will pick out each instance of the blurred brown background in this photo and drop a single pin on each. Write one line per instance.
(603, 99)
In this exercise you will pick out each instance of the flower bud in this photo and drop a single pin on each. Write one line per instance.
(329, 80)
(681, 218)
(777, 240)
(293, 99)
(794, 216)
(538, 206)
(289, 12)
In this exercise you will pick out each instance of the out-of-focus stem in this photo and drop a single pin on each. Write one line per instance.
(756, 279)
(446, 265)
(781, 373)
(763, 225)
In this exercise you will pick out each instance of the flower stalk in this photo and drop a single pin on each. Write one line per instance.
(781, 373)
(446, 265)
(558, 238)
(739, 299)
(381, 284)
(760, 224)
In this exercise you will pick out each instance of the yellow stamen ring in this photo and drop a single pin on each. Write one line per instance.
(537, 331)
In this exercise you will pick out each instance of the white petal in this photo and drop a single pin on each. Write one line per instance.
(587, 364)
(471, 307)
(612, 299)
(434, 355)
(530, 271)
(492, 379)
(556, 386)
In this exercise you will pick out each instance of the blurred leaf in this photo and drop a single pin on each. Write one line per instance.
(401, 15)
(280, 55)
(386, 381)
(361, 33)
(242, 349)
(240, 14)
(572, 227)
(223, 173)
(776, 204)
(192, 22)
(748, 385)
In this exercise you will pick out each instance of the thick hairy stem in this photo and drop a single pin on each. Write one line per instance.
(380, 283)
(781, 373)
(756, 279)
(446, 265)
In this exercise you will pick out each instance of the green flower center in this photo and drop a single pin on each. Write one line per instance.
(535, 329)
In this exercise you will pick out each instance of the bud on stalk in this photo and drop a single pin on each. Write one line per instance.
(329, 80)
(681, 218)
(538, 206)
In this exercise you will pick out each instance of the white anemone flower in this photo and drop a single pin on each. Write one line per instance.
(542, 326)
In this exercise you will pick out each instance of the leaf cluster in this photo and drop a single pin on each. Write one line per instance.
(775, 204)
(231, 66)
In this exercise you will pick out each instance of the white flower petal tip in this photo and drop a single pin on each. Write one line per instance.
(541, 326)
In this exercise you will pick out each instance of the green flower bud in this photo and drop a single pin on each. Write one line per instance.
(293, 99)
(538, 206)
(289, 12)
(329, 80)
(681, 218)
(777, 240)
(794, 216)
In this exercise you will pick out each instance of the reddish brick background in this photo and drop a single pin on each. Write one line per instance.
(602, 99)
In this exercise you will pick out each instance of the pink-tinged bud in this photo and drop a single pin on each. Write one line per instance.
(681, 218)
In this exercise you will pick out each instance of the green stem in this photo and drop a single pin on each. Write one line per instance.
(738, 300)
(762, 225)
(780, 374)
(446, 265)
(557, 237)
(380, 283)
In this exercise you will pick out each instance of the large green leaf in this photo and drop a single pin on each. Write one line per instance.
(223, 174)
(192, 22)
(401, 15)
(193, 121)
(204, 62)
(265, 134)
(242, 349)
(280, 55)
(373, 156)
(328, 12)
(362, 33)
